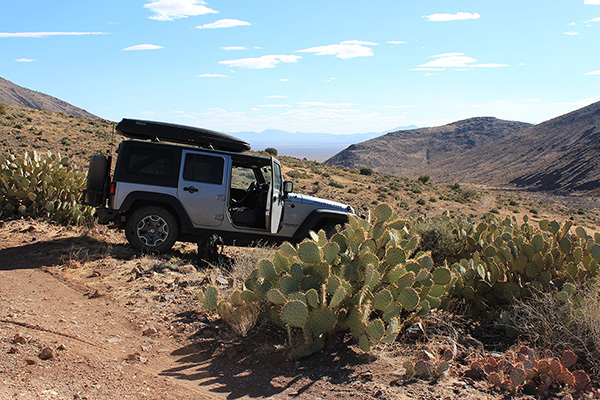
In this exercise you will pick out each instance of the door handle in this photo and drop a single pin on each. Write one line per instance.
(190, 189)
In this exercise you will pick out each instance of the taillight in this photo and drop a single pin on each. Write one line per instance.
(113, 188)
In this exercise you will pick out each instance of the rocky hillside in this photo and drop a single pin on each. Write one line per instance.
(11, 93)
(415, 152)
(562, 154)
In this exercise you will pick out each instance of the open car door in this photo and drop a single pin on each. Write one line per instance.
(274, 207)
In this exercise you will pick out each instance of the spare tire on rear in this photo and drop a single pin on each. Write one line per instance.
(97, 181)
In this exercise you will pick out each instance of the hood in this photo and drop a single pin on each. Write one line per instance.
(306, 199)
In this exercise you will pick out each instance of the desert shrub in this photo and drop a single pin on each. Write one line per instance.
(421, 202)
(46, 187)
(3, 109)
(424, 178)
(551, 320)
(439, 236)
(295, 174)
(336, 184)
(366, 171)
(272, 151)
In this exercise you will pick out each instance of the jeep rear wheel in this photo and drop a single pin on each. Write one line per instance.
(152, 229)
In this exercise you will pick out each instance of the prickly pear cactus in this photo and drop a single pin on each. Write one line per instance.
(365, 280)
(508, 260)
(46, 187)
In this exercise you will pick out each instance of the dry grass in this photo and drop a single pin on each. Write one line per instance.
(547, 322)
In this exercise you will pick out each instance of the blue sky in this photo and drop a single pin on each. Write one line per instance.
(308, 66)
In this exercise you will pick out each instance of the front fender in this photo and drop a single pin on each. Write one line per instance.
(318, 219)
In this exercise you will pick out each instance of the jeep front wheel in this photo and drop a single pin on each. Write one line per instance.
(152, 229)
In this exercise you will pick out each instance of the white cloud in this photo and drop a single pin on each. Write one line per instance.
(442, 17)
(579, 103)
(396, 42)
(143, 47)
(274, 106)
(233, 48)
(455, 60)
(593, 73)
(224, 23)
(345, 50)
(25, 60)
(276, 96)
(323, 104)
(269, 61)
(43, 34)
(212, 76)
(592, 2)
(168, 10)
(571, 33)
(400, 106)
(331, 79)
(596, 19)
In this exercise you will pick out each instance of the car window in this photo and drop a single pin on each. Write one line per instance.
(203, 168)
(242, 177)
(150, 163)
(276, 177)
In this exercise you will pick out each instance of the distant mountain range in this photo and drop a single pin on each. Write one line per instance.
(560, 155)
(11, 93)
(313, 146)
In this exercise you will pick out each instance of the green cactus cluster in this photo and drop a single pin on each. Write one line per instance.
(366, 280)
(522, 370)
(510, 260)
(46, 187)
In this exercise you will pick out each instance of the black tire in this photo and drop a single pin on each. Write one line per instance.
(152, 229)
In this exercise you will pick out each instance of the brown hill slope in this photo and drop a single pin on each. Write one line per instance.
(562, 154)
(11, 93)
(25, 129)
(416, 152)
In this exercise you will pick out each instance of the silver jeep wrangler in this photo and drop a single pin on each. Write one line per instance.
(201, 186)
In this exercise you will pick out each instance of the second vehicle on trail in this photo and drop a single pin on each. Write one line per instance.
(198, 187)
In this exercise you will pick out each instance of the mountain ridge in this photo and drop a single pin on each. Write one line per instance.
(11, 93)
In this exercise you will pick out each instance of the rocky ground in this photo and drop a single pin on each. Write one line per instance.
(84, 317)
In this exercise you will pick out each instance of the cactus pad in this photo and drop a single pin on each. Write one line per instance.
(321, 320)
(211, 298)
(375, 330)
(408, 298)
(295, 313)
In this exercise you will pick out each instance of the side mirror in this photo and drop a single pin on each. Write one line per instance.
(288, 187)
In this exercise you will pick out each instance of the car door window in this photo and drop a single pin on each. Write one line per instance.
(203, 168)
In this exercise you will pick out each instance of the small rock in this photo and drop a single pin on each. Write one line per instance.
(61, 347)
(30, 361)
(222, 281)
(19, 339)
(95, 274)
(13, 350)
(151, 331)
(47, 353)
(96, 294)
(186, 269)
